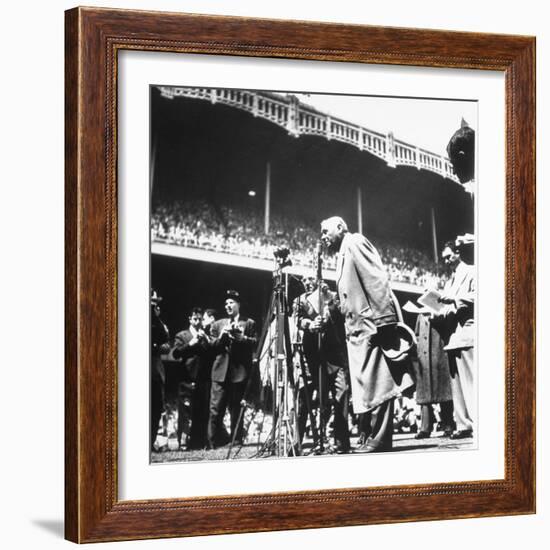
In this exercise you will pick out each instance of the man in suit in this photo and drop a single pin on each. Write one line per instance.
(159, 346)
(192, 347)
(233, 340)
(330, 358)
(458, 315)
(370, 318)
(208, 318)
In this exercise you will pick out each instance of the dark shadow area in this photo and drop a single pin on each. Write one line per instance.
(55, 527)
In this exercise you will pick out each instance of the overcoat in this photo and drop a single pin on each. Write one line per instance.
(366, 303)
(432, 375)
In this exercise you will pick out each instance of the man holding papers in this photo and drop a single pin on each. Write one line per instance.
(458, 316)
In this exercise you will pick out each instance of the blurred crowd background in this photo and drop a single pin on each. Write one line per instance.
(238, 230)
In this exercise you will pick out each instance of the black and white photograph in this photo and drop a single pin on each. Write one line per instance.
(312, 274)
(274, 274)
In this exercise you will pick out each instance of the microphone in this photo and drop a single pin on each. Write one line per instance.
(319, 248)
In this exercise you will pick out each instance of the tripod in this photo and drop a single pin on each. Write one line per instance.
(281, 378)
(283, 438)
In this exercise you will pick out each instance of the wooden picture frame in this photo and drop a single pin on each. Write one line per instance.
(93, 39)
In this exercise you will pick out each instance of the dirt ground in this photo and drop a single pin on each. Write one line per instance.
(402, 443)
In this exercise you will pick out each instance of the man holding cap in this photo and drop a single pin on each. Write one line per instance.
(233, 339)
(377, 343)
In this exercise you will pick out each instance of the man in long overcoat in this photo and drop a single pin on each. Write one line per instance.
(432, 375)
(370, 317)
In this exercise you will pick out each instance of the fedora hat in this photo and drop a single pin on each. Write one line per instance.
(155, 298)
(398, 343)
(233, 295)
(465, 240)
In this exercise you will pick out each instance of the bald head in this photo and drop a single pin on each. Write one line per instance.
(332, 232)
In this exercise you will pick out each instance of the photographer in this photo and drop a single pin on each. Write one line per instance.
(329, 351)
(192, 348)
(159, 346)
(233, 339)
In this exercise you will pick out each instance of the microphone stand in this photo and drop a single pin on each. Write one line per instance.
(282, 439)
(321, 355)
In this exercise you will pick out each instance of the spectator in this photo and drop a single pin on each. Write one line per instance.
(229, 229)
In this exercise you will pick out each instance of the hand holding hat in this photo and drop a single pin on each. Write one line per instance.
(396, 341)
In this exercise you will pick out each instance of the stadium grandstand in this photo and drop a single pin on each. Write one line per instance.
(233, 231)
(235, 174)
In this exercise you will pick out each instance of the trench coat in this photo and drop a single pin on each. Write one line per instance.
(432, 375)
(366, 303)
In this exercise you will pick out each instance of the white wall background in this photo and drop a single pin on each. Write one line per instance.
(31, 277)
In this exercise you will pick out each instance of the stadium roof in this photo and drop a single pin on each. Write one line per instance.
(299, 118)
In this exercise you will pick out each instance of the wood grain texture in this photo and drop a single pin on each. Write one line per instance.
(71, 271)
(93, 38)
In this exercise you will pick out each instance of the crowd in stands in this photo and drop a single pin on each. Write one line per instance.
(234, 230)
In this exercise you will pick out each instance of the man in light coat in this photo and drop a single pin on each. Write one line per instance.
(370, 316)
(458, 315)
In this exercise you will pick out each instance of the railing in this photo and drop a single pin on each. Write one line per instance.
(301, 119)
(248, 250)
(300, 260)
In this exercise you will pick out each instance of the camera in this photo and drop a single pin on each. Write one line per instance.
(282, 254)
(234, 329)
